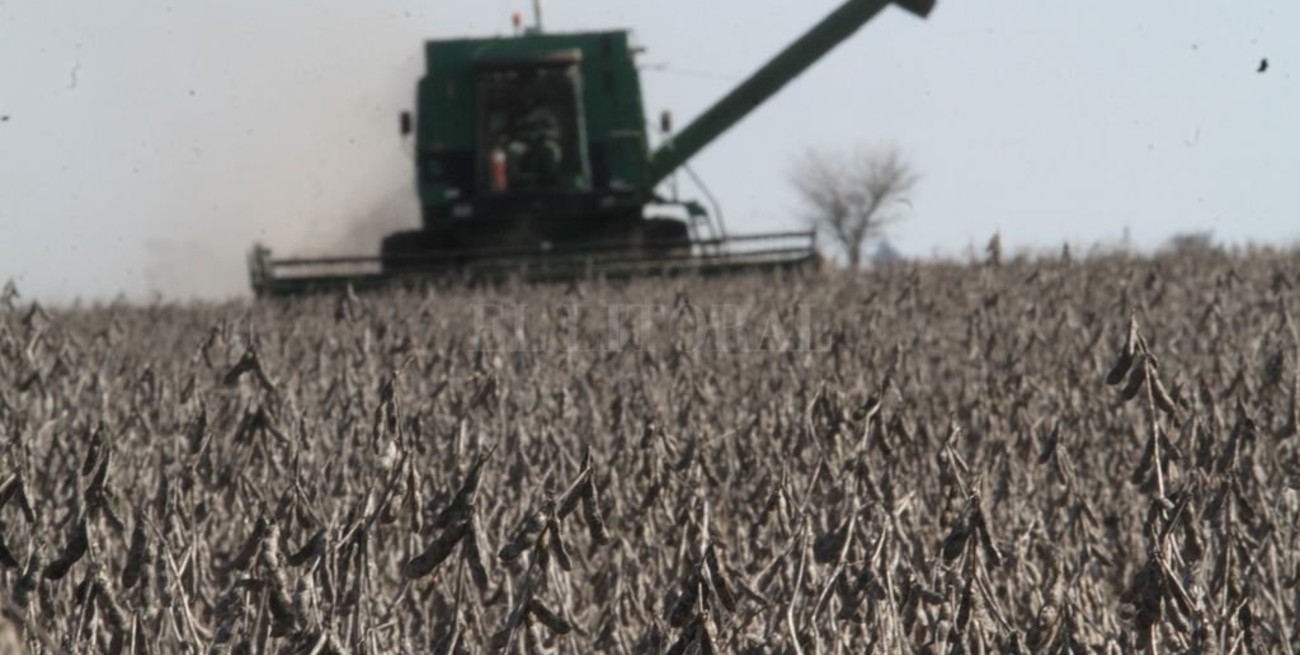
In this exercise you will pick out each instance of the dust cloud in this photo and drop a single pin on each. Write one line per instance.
(289, 140)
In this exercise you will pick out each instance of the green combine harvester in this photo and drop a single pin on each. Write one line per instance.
(533, 161)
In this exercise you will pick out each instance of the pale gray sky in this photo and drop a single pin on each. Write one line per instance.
(146, 144)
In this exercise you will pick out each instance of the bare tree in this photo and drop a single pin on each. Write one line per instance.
(853, 194)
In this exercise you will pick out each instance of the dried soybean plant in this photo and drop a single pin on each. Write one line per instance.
(934, 464)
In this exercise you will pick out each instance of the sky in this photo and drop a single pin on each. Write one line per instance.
(145, 145)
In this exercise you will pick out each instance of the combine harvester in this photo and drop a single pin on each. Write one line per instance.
(532, 161)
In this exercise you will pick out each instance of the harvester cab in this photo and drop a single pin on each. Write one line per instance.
(533, 158)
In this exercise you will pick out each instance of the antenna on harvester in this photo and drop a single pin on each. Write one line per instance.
(537, 16)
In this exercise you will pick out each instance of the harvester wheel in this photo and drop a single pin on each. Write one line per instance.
(404, 252)
(666, 237)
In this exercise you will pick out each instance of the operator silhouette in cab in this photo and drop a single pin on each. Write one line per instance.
(535, 151)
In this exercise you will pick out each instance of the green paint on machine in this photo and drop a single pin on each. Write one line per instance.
(533, 149)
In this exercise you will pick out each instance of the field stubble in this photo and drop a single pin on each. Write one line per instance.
(1050, 456)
